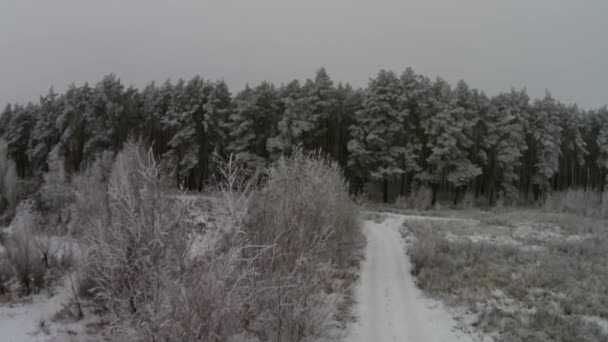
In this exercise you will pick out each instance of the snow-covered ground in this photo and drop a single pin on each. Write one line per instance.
(389, 305)
(32, 320)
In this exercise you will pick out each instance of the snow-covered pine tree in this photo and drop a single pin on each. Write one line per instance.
(180, 122)
(155, 106)
(448, 165)
(324, 115)
(295, 121)
(374, 148)
(17, 136)
(216, 113)
(504, 145)
(413, 92)
(253, 122)
(311, 118)
(573, 147)
(72, 125)
(546, 131)
(45, 134)
(348, 103)
(5, 119)
(601, 124)
(195, 120)
(113, 113)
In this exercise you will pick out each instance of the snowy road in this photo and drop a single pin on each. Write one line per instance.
(390, 306)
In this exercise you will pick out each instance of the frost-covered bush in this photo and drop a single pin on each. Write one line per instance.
(305, 214)
(266, 268)
(137, 242)
(38, 259)
(419, 199)
(54, 193)
(90, 195)
(23, 256)
(581, 202)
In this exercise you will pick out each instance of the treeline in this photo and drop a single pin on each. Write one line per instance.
(399, 134)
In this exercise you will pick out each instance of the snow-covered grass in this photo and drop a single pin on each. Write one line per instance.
(48, 312)
(46, 316)
(527, 275)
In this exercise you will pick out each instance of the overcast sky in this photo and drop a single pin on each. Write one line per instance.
(542, 44)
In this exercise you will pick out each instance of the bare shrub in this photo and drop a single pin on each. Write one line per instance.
(419, 199)
(24, 258)
(90, 192)
(304, 199)
(304, 212)
(265, 269)
(581, 202)
(213, 299)
(54, 197)
(138, 247)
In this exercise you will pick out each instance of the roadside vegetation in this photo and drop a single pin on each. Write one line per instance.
(524, 275)
(272, 256)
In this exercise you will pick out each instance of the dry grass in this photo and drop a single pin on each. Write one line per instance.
(529, 276)
(580, 202)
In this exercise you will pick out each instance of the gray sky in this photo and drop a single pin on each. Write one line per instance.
(493, 45)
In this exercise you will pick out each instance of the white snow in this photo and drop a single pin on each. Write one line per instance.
(21, 322)
(390, 307)
(600, 322)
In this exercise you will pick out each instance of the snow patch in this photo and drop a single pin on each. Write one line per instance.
(599, 321)
(30, 321)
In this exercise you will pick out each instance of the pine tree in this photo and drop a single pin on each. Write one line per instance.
(155, 106)
(546, 132)
(349, 101)
(195, 120)
(5, 119)
(72, 125)
(374, 148)
(111, 116)
(18, 135)
(601, 120)
(324, 115)
(573, 147)
(294, 123)
(217, 111)
(183, 122)
(414, 99)
(448, 165)
(253, 122)
(45, 134)
(505, 144)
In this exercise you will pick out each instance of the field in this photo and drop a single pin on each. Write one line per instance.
(523, 275)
